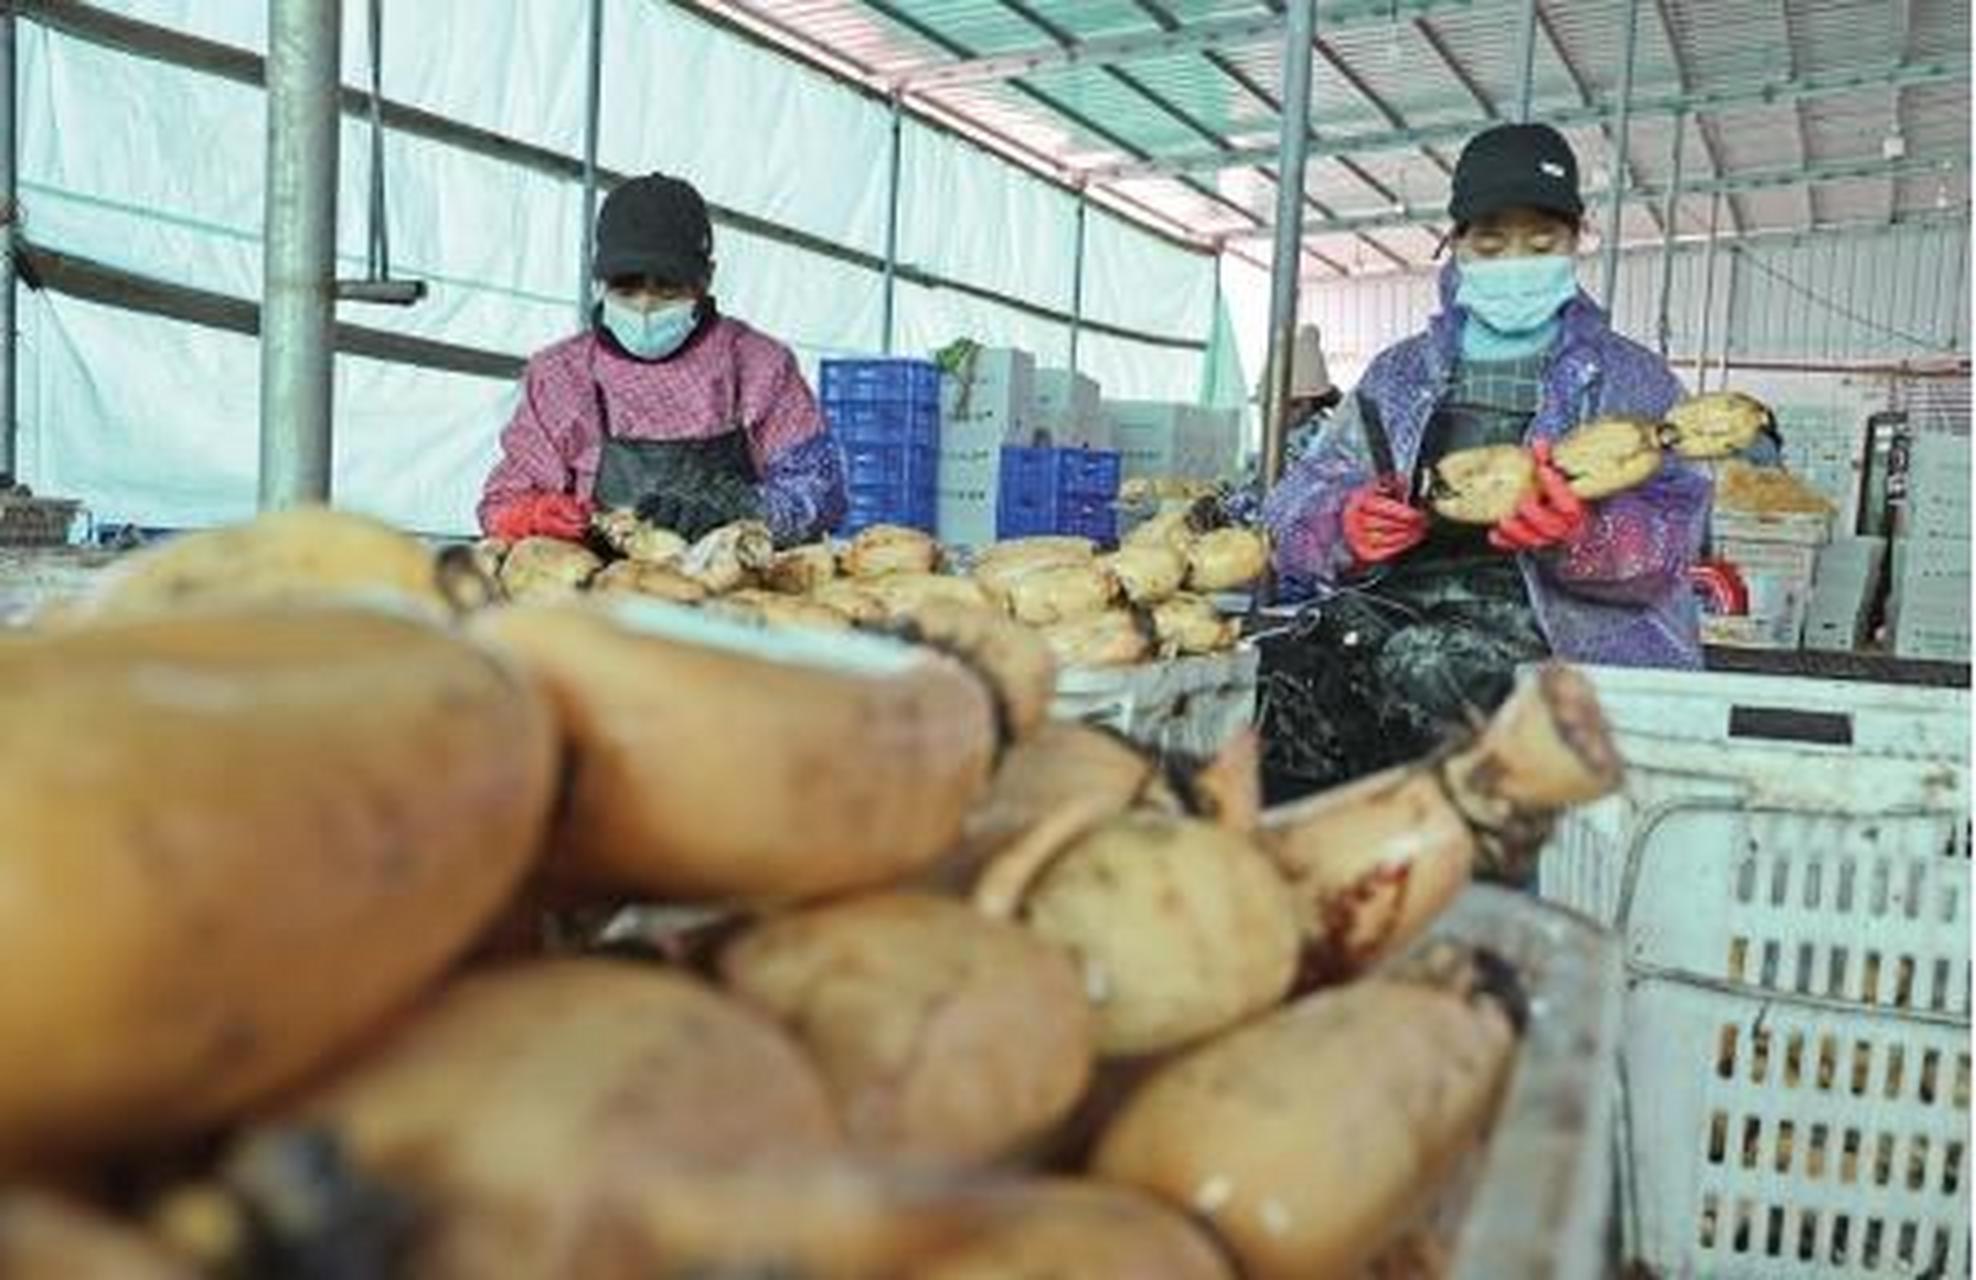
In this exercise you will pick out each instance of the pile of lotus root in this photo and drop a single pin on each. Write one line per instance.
(1148, 600)
(358, 925)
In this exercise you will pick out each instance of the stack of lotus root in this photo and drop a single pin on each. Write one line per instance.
(901, 981)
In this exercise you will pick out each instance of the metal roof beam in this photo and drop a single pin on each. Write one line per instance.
(1789, 89)
(1629, 173)
(1195, 37)
(1946, 162)
(1704, 129)
(1439, 44)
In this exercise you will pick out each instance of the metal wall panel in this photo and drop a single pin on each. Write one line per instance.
(1884, 295)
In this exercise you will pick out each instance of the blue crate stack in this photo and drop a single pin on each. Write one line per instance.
(885, 416)
(1058, 491)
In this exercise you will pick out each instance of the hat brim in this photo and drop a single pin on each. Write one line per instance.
(666, 268)
(1477, 205)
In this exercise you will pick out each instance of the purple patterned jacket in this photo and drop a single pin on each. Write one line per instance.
(1619, 595)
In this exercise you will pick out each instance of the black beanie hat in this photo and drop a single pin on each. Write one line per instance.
(655, 226)
(1512, 166)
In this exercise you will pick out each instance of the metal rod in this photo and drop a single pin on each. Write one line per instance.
(593, 108)
(1294, 149)
(9, 215)
(1664, 326)
(1077, 277)
(1615, 214)
(1794, 176)
(895, 167)
(298, 309)
(1527, 61)
(1707, 295)
(1728, 321)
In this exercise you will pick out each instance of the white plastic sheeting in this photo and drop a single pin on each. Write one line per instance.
(157, 170)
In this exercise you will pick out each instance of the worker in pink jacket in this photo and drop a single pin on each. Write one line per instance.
(663, 405)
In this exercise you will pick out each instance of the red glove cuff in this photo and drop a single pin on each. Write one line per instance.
(541, 515)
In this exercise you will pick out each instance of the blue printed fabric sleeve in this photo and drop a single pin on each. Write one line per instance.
(802, 490)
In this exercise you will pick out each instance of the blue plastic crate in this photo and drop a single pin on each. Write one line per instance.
(1037, 514)
(884, 423)
(870, 507)
(850, 381)
(908, 467)
(1088, 472)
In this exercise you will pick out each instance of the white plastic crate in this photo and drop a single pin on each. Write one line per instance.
(1787, 869)
(1540, 1197)
(1822, 745)
(1796, 1051)
(1191, 706)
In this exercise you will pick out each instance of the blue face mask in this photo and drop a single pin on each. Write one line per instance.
(1516, 295)
(654, 334)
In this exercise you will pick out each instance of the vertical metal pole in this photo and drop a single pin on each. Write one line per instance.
(1077, 275)
(1664, 327)
(1707, 319)
(1728, 321)
(9, 216)
(298, 307)
(1615, 215)
(1527, 55)
(1293, 149)
(593, 108)
(892, 221)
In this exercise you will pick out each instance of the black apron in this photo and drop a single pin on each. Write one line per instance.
(630, 470)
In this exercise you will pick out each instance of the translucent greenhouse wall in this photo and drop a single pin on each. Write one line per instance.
(156, 169)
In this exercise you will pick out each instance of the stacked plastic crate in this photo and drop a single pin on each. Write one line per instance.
(885, 416)
(1058, 491)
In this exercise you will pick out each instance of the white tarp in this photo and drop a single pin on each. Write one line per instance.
(157, 170)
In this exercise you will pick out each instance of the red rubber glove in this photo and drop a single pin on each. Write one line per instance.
(541, 515)
(1550, 517)
(1379, 526)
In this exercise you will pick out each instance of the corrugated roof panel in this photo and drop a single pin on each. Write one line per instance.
(1834, 34)
(1719, 43)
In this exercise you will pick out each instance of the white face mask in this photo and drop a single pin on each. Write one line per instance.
(654, 334)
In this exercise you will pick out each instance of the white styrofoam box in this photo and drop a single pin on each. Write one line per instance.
(1938, 467)
(1810, 529)
(1787, 868)
(1948, 643)
(1930, 558)
(1097, 432)
(1832, 634)
(1842, 592)
(1779, 577)
(966, 486)
(998, 395)
(1191, 706)
(1210, 442)
(1066, 404)
(1147, 434)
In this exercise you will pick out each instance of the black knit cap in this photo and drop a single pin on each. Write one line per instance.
(654, 226)
(1512, 166)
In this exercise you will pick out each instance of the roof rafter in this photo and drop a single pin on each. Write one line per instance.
(1196, 37)
(1631, 177)
(1659, 103)
(1767, 180)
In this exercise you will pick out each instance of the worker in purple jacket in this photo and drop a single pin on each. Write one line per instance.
(663, 405)
(1427, 621)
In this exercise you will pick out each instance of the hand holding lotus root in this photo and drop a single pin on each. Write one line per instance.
(1606, 456)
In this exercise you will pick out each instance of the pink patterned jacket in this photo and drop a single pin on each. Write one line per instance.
(726, 376)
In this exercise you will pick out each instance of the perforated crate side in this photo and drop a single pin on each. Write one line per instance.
(1765, 1138)
(1796, 1064)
